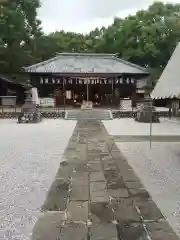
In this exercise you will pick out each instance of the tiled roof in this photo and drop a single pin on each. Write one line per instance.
(86, 63)
(168, 85)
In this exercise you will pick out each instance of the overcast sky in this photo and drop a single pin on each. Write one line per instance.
(84, 15)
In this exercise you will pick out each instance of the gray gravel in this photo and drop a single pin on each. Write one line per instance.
(159, 170)
(29, 158)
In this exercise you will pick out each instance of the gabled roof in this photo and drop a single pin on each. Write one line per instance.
(168, 85)
(86, 63)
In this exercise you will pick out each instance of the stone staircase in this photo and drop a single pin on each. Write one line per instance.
(94, 114)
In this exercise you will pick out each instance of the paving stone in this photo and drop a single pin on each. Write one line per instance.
(80, 167)
(107, 158)
(139, 193)
(118, 193)
(125, 210)
(80, 179)
(48, 226)
(97, 186)
(94, 167)
(161, 231)
(131, 231)
(99, 196)
(114, 181)
(149, 209)
(77, 211)
(57, 196)
(75, 231)
(96, 177)
(103, 232)
(134, 185)
(79, 193)
(101, 212)
(109, 165)
(129, 176)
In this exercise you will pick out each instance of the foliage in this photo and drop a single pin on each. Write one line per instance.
(18, 26)
(147, 38)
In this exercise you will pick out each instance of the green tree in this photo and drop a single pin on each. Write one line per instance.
(147, 38)
(18, 26)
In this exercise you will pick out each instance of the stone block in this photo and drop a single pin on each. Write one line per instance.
(129, 176)
(80, 179)
(79, 193)
(114, 180)
(118, 193)
(99, 196)
(125, 210)
(77, 211)
(149, 209)
(48, 226)
(97, 186)
(103, 232)
(75, 231)
(97, 177)
(161, 231)
(101, 212)
(57, 196)
(94, 167)
(131, 231)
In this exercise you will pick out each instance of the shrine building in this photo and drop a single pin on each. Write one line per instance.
(71, 78)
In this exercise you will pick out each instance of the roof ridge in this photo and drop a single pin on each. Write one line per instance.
(86, 54)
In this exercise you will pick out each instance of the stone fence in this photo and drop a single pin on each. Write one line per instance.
(117, 114)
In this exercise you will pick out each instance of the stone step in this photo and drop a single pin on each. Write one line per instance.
(88, 114)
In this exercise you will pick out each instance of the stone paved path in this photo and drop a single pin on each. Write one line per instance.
(97, 196)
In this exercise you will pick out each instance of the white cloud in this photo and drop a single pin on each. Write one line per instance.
(85, 15)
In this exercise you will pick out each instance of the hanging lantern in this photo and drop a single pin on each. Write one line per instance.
(53, 81)
(46, 80)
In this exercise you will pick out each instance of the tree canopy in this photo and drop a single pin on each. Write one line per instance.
(147, 38)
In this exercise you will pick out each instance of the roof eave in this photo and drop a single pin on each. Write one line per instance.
(87, 73)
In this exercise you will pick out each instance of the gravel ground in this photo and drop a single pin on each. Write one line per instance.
(29, 159)
(128, 126)
(159, 170)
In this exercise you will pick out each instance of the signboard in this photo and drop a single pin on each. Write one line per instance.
(62, 81)
(47, 102)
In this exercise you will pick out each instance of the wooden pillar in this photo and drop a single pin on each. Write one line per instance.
(134, 99)
(112, 91)
(87, 87)
(64, 92)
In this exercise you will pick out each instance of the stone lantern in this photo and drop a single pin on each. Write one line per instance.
(30, 112)
(146, 112)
